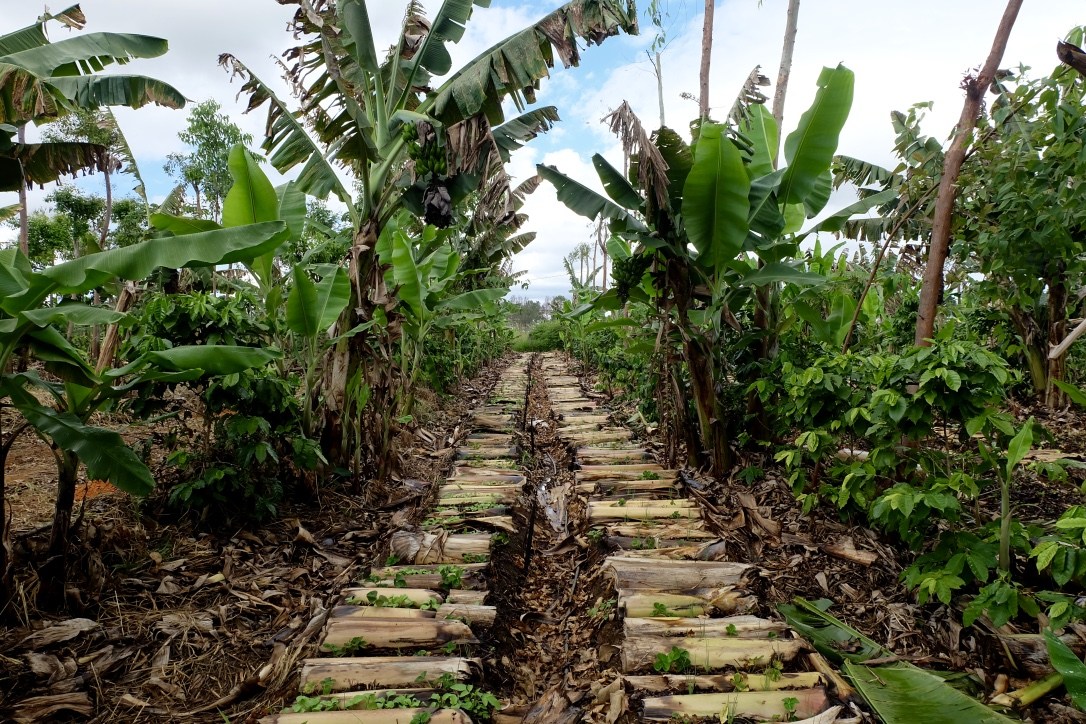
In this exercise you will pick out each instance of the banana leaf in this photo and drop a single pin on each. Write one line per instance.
(1070, 667)
(104, 452)
(901, 693)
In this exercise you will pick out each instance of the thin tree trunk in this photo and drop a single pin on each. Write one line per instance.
(107, 213)
(595, 249)
(113, 333)
(785, 72)
(764, 308)
(706, 58)
(601, 242)
(659, 68)
(24, 216)
(976, 87)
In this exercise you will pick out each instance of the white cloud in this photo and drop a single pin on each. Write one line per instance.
(900, 55)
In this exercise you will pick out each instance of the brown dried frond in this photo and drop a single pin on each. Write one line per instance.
(651, 166)
(416, 26)
(748, 95)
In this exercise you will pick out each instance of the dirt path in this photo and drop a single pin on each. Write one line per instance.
(688, 646)
(413, 633)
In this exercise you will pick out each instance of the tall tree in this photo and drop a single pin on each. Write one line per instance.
(99, 127)
(975, 88)
(785, 73)
(206, 169)
(706, 58)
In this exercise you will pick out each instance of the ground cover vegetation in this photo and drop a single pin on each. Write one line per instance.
(283, 354)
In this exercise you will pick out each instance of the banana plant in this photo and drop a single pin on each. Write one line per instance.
(29, 318)
(425, 273)
(41, 81)
(312, 308)
(713, 221)
(415, 135)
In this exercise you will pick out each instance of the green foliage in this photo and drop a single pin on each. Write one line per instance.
(543, 337)
(452, 577)
(478, 703)
(253, 447)
(864, 402)
(206, 168)
(350, 648)
(675, 661)
(44, 80)
(1070, 667)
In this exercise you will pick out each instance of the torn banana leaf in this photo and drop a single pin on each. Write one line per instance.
(832, 638)
(901, 693)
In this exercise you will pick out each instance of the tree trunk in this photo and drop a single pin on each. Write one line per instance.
(699, 360)
(24, 215)
(710, 415)
(1056, 398)
(53, 574)
(107, 214)
(765, 312)
(595, 249)
(975, 87)
(785, 72)
(659, 69)
(1029, 331)
(706, 58)
(113, 332)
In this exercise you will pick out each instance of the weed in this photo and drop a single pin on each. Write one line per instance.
(602, 609)
(676, 661)
(790, 703)
(451, 577)
(772, 673)
(659, 609)
(350, 648)
(479, 704)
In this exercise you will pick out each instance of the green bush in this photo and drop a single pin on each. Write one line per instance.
(251, 448)
(543, 337)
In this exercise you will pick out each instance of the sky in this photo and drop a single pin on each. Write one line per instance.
(901, 53)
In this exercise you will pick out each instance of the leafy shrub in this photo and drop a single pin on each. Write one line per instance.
(543, 337)
(461, 351)
(250, 446)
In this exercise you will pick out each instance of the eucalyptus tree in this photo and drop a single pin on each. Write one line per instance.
(414, 134)
(100, 128)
